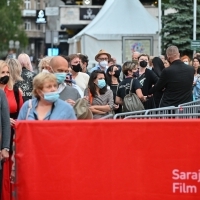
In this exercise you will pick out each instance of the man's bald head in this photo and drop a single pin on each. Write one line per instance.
(59, 64)
(172, 52)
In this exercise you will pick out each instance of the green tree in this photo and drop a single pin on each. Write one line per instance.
(178, 26)
(11, 24)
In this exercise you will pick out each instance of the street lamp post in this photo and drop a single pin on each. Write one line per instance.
(159, 26)
(194, 22)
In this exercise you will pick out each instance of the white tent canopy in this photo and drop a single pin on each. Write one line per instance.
(116, 19)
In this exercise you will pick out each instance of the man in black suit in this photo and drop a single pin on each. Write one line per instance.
(176, 80)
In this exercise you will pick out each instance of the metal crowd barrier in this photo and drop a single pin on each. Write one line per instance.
(192, 103)
(165, 116)
(110, 116)
(186, 108)
(119, 115)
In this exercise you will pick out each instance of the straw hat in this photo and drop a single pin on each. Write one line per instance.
(81, 109)
(102, 52)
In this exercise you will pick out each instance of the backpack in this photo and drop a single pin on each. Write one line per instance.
(132, 102)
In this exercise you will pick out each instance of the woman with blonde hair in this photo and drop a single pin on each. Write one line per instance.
(15, 69)
(25, 61)
(15, 101)
(46, 105)
(44, 64)
(27, 84)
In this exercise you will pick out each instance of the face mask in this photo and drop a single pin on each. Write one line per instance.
(60, 77)
(51, 96)
(117, 73)
(4, 80)
(103, 63)
(76, 68)
(45, 71)
(101, 83)
(186, 62)
(136, 74)
(143, 63)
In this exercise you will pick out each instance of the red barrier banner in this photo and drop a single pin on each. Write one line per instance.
(108, 160)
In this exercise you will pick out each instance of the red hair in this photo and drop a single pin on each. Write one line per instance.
(185, 57)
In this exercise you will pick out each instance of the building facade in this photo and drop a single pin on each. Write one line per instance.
(73, 16)
(35, 32)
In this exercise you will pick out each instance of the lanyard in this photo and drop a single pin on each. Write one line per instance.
(36, 117)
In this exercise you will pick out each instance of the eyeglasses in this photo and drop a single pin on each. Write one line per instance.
(102, 59)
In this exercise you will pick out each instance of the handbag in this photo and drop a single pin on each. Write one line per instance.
(132, 102)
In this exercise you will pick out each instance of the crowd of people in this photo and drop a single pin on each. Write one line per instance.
(64, 89)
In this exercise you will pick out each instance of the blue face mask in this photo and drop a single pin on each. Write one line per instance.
(101, 83)
(51, 96)
(60, 77)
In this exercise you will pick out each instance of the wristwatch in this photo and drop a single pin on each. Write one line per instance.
(6, 149)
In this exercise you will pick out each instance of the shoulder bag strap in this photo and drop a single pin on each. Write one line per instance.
(29, 107)
(131, 84)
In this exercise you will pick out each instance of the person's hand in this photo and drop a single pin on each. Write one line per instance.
(116, 106)
(4, 154)
(12, 176)
(145, 98)
(71, 102)
(86, 98)
(12, 122)
(92, 108)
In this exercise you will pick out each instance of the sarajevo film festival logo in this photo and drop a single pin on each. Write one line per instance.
(185, 182)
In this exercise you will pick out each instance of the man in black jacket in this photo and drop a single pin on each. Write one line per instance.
(176, 80)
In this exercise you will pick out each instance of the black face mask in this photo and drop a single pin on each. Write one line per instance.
(143, 63)
(76, 68)
(117, 73)
(136, 74)
(4, 80)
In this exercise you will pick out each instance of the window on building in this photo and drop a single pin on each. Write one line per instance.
(38, 4)
(27, 4)
(27, 25)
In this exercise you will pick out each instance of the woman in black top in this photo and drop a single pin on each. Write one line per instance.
(112, 74)
(158, 66)
(147, 79)
(129, 69)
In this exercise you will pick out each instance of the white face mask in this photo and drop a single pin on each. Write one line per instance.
(186, 62)
(103, 63)
(45, 71)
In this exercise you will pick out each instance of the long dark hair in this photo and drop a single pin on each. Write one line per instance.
(197, 58)
(158, 66)
(92, 86)
(109, 77)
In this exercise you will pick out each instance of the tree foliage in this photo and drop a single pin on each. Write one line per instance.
(11, 23)
(178, 25)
